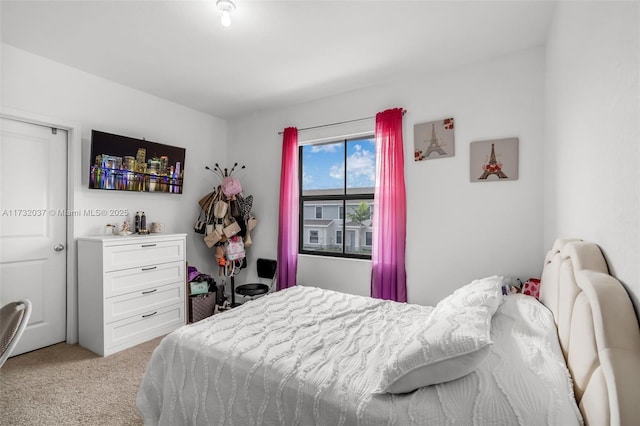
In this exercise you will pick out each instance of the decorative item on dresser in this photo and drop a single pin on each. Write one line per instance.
(130, 289)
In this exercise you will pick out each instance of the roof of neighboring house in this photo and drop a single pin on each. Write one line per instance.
(354, 224)
(318, 222)
(327, 222)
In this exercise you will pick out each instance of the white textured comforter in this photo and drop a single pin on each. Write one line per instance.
(307, 356)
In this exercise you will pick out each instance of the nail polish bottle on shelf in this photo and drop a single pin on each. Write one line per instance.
(137, 223)
(143, 223)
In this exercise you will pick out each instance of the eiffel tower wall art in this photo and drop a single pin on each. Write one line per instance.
(494, 160)
(433, 140)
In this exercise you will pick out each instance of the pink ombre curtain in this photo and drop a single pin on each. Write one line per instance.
(388, 275)
(288, 218)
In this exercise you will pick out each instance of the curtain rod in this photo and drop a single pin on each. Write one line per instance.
(339, 122)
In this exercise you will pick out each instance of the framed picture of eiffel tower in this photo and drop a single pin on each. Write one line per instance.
(493, 160)
(433, 140)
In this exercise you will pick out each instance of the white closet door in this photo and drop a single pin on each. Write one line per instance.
(33, 181)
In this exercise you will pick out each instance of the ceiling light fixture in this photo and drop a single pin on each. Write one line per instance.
(226, 7)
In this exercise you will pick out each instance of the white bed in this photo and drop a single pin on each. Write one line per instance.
(308, 356)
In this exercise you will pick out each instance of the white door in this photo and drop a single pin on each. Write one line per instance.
(351, 240)
(33, 176)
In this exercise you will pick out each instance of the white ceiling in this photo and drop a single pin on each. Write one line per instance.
(276, 53)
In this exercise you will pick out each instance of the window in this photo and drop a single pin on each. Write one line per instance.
(368, 238)
(337, 181)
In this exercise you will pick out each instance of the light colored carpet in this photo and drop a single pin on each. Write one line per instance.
(69, 385)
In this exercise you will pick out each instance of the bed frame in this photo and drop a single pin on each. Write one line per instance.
(598, 332)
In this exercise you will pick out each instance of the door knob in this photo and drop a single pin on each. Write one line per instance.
(58, 247)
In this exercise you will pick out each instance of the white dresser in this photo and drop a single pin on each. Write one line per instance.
(130, 289)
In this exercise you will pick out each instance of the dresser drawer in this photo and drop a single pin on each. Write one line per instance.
(138, 328)
(143, 278)
(140, 302)
(124, 256)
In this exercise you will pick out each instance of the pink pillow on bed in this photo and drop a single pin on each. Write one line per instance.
(532, 288)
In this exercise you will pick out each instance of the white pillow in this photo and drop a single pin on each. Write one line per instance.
(454, 342)
(477, 292)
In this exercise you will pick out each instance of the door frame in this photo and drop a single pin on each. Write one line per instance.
(74, 157)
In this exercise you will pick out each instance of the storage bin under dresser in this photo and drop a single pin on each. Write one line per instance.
(130, 289)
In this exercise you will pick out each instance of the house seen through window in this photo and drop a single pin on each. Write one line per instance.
(337, 182)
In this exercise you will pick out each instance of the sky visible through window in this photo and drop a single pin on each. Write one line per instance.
(324, 168)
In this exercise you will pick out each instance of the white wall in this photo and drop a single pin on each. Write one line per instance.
(457, 230)
(39, 86)
(592, 155)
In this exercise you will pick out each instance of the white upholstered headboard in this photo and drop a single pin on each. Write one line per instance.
(598, 332)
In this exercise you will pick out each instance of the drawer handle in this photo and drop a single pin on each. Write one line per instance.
(149, 269)
(150, 291)
(149, 315)
(149, 245)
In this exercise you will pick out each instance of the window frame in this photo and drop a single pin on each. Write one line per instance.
(344, 198)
